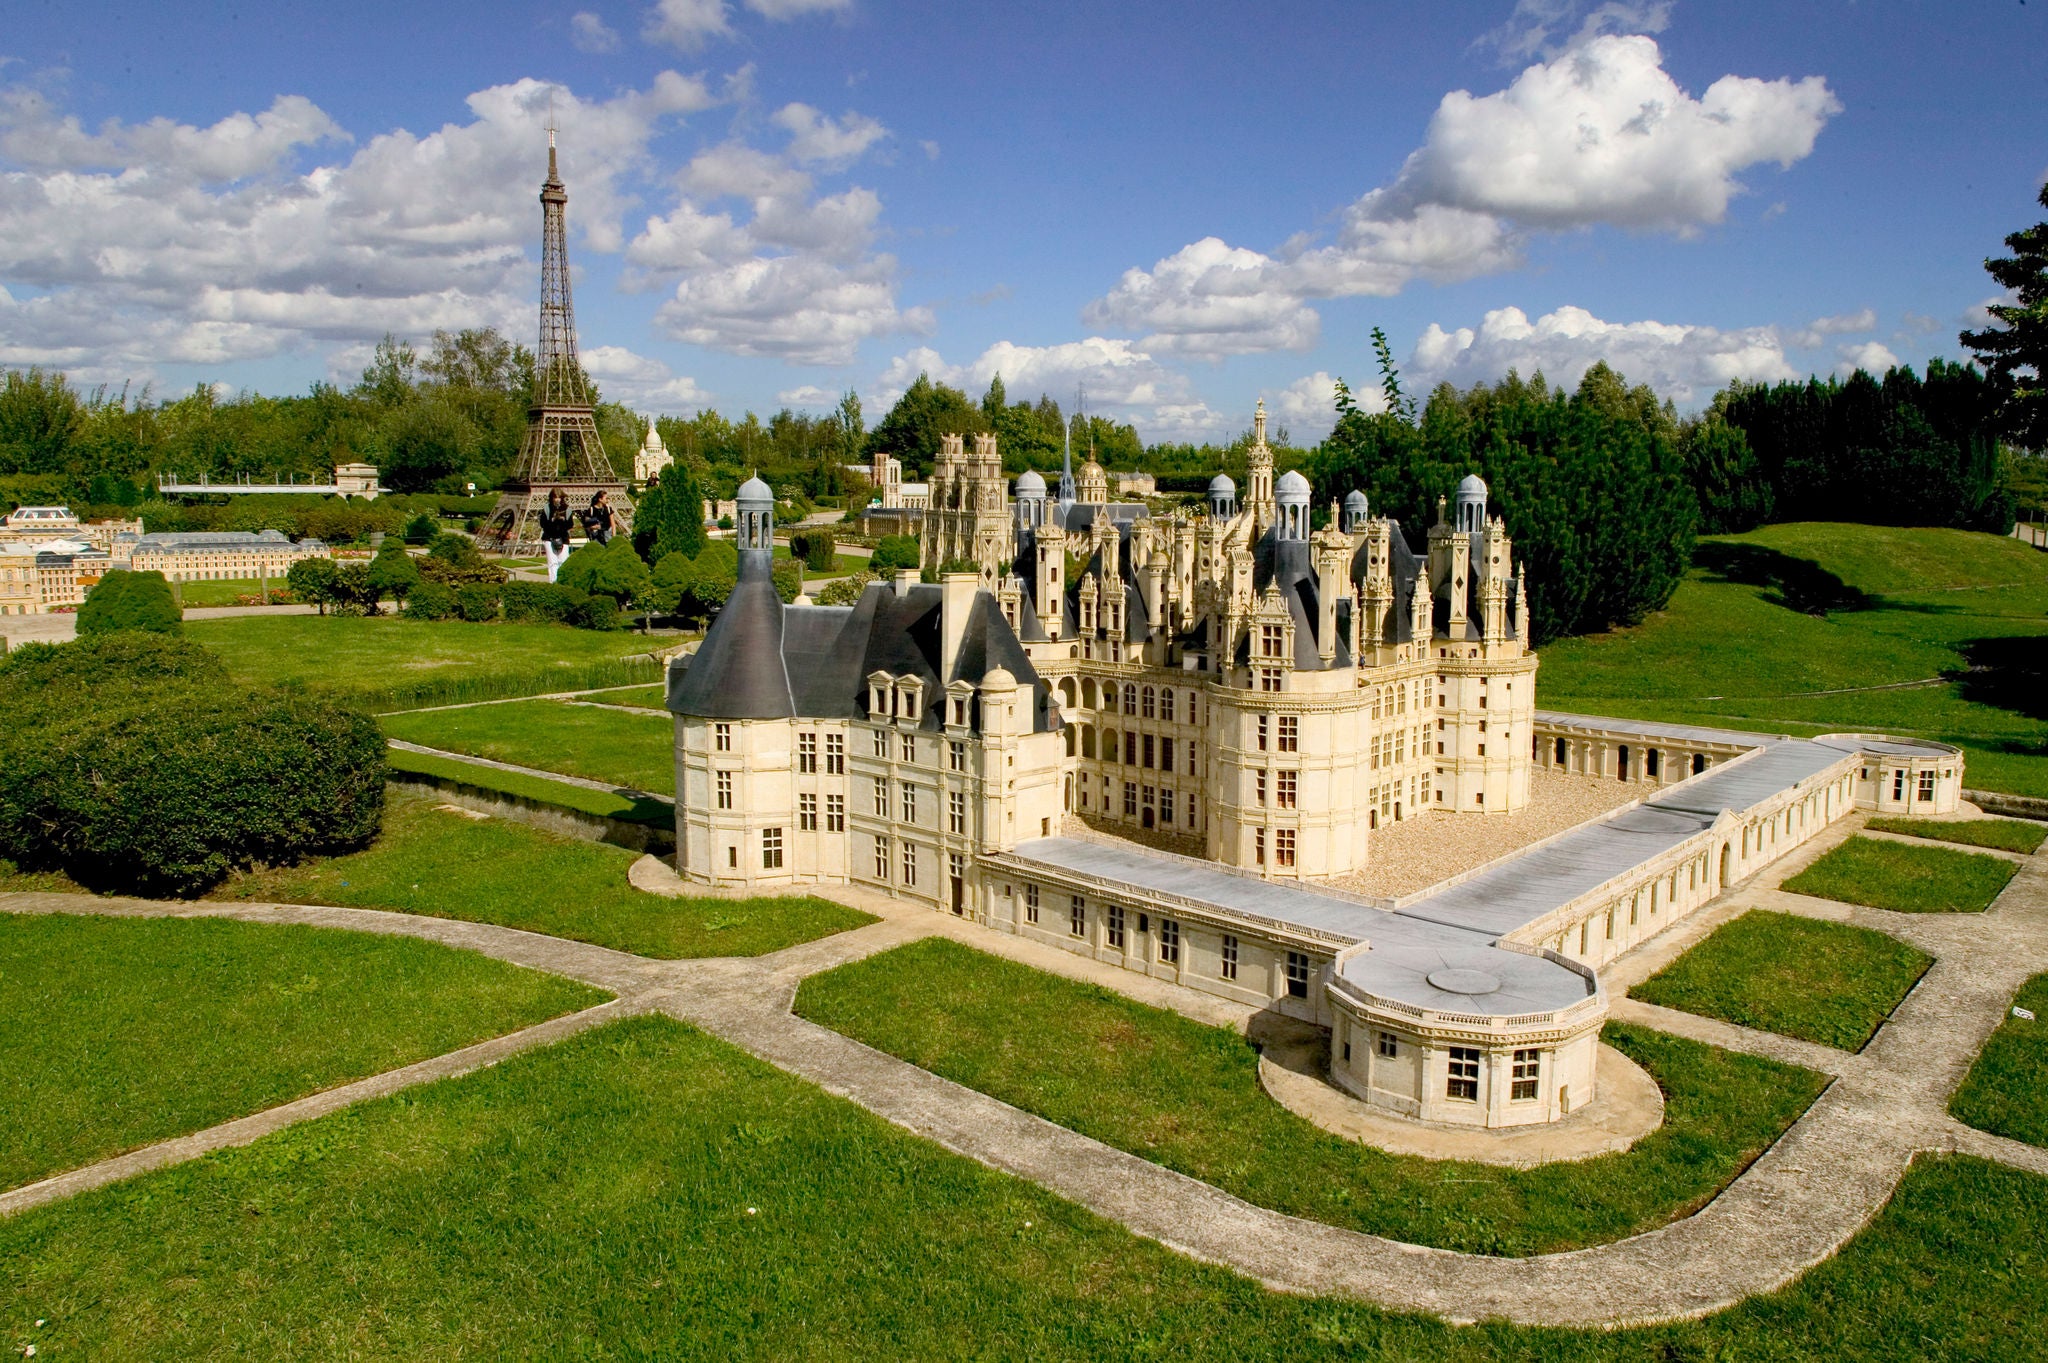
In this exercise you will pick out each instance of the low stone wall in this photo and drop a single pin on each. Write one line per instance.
(2012, 806)
(569, 823)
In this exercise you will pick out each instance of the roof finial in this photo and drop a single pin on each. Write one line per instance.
(1259, 423)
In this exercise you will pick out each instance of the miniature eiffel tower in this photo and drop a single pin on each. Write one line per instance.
(562, 449)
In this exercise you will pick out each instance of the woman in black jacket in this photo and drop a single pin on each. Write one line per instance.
(597, 521)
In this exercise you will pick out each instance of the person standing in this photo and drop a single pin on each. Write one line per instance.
(597, 521)
(555, 523)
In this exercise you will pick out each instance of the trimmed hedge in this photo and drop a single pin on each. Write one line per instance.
(130, 601)
(133, 765)
(430, 601)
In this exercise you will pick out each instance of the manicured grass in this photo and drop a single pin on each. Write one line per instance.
(1898, 875)
(636, 751)
(2004, 1092)
(842, 564)
(652, 697)
(645, 1191)
(2011, 835)
(391, 662)
(1778, 972)
(228, 593)
(433, 861)
(1187, 1096)
(1909, 605)
(121, 1032)
(607, 804)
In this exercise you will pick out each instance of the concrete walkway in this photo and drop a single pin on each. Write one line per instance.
(1795, 1206)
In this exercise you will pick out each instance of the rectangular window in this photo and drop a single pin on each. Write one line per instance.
(1077, 916)
(909, 743)
(1031, 903)
(1389, 1045)
(909, 803)
(1229, 957)
(956, 755)
(881, 857)
(1264, 721)
(1166, 754)
(1926, 785)
(881, 797)
(1899, 784)
(1290, 733)
(771, 849)
(1464, 1077)
(881, 742)
(1166, 705)
(1169, 941)
(909, 863)
(1522, 1084)
(722, 736)
(956, 812)
(1259, 846)
(1272, 638)
(1130, 749)
(725, 790)
(807, 752)
(1151, 752)
(1284, 788)
(1269, 679)
(1192, 809)
(835, 813)
(1297, 975)
(835, 754)
(1151, 703)
(807, 813)
(1130, 799)
(1283, 846)
(1259, 786)
(1166, 807)
(1116, 926)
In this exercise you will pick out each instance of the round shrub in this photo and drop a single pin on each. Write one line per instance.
(895, 551)
(430, 601)
(540, 602)
(130, 601)
(478, 601)
(596, 611)
(166, 778)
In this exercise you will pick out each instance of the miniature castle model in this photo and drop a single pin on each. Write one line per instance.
(1269, 696)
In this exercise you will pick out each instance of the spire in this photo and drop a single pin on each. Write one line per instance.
(1067, 466)
(1259, 423)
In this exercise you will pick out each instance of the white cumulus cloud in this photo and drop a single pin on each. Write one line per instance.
(1308, 406)
(687, 24)
(1599, 134)
(797, 9)
(641, 381)
(819, 139)
(1121, 380)
(1869, 356)
(1816, 332)
(590, 33)
(1685, 362)
(808, 395)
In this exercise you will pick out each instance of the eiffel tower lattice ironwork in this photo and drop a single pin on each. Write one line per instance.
(562, 448)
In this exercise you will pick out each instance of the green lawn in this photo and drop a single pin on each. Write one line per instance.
(2006, 1091)
(1187, 1096)
(2011, 835)
(645, 1191)
(1901, 876)
(652, 697)
(125, 1031)
(608, 804)
(842, 564)
(391, 662)
(632, 750)
(1778, 972)
(433, 861)
(228, 593)
(1906, 606)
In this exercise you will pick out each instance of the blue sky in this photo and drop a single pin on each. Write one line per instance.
(1183, 207)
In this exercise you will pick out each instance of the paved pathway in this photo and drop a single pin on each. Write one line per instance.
(1796, 1205)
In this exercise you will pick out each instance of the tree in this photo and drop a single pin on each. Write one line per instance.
(1733, 493)
(613, 570)
(392, 572)
(40, 419)
(926, 413)
(853, 431)
(669, 518)
(130, 601)
(2016, 352)
(312, 580)
(420, 529)
(895, 551)
(1397, 402)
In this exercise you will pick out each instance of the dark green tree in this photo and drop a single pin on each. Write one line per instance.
(2016, 352)
(925, 413)
(392, 572)
(1733, 493)
(312, 580)
(895, 551)
(130, 601)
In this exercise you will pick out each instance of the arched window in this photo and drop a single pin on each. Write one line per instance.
(1166, 704)
(1130, 700)
(1151, 703)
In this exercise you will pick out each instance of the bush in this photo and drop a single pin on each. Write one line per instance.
(478, 601)
(815, 548)
(131, 765)
(430, 601)
(130, 601)
(420, 529)
(595, 611)
(845, 591)
(788, 575)
(895, 551)
(312, 580)
(539, 602)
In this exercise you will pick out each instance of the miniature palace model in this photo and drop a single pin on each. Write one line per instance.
(1268, 698)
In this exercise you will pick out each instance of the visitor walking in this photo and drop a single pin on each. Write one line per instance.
(598, 520)
(554, 531)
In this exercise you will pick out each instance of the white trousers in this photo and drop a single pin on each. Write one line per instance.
(556, 557)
